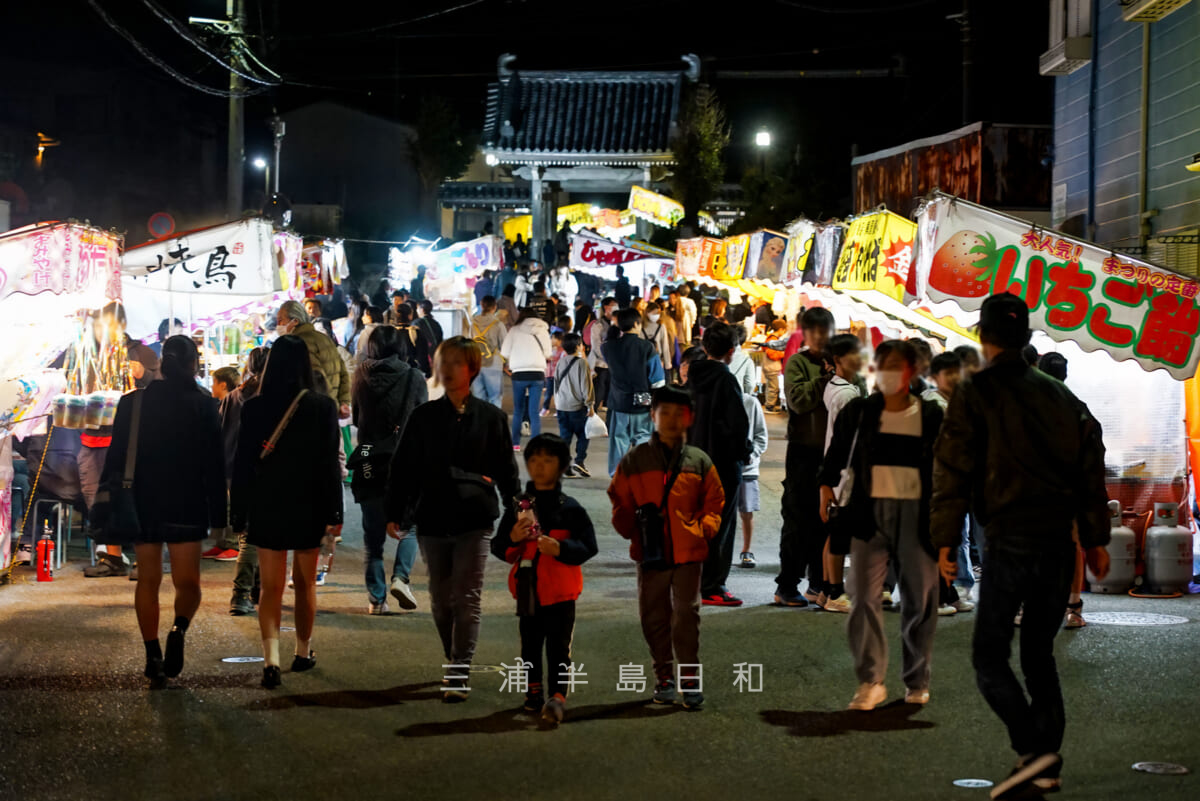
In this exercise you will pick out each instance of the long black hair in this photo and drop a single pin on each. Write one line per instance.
(289, 370)
(256, 362)
(180, 360)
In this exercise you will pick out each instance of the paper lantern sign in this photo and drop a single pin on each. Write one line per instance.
(61, 259)
(764, 259)
(796, 255)
(877, 255)
(467, 258)
(731, 267)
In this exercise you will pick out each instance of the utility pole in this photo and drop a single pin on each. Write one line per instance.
(279, 128)
(236, 163)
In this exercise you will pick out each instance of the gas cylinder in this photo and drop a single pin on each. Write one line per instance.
(1122, 556)
(45, 555)
(1168, 552)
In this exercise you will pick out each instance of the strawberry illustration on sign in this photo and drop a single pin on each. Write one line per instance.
(963, 267)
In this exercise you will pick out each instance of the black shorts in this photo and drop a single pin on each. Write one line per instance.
(839, 534)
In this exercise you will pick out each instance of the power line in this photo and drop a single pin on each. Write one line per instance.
(165, 67)
(200, 44)
(386, 26)
(839, 10)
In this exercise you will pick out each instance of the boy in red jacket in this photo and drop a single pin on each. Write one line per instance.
(669, 481)
(546, 536)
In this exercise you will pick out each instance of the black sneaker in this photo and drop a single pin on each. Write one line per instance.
(582, 471)
(154, 671)
(748, 560)
(107, 566)
(241, 604)
(535, 699)
(793, 599)
(664, 692)
(303, 663)
(693, 699)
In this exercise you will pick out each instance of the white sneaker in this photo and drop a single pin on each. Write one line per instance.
(525, 428)
(868, 697)
(402, 592)
(919, 697)
(963, 605)
(840, 604)
(946, 610)
(380, 608)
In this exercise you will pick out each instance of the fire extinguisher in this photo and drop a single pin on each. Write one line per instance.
(45, 555)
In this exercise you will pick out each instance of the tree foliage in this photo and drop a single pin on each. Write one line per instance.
(699, 147)
(441, 151)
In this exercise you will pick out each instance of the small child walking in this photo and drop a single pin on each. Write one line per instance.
(546, 535)
(748, 502)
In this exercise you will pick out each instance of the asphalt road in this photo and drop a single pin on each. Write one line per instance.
(76, 721)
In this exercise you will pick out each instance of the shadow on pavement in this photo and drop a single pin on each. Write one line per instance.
(84, 682)
(512, 720)
(351, 699)
(896, 716)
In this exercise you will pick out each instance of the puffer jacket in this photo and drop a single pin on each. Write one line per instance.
(325, 357)
(559, 578)
(694, 505)
(1022, 452)
(527, 346)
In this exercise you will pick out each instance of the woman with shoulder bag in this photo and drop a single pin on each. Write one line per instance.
(385, 392)
(287, 492)
(167, 439)
(449, 492)
(527, 350)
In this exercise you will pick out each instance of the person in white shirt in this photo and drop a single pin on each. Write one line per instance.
(688, 315)
(563, 284)
(524, 285)
(748, 502)
(845, 386)
(526, 350)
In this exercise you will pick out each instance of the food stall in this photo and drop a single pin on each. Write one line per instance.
(450, 275)
(51, 274)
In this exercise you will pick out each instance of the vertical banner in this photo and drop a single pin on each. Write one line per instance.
(877, 254)
(687, 257)
(733, 264)
(764, 259)
(1075, 290)
(796, 254)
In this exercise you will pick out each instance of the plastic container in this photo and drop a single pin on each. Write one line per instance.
(93, 412)
(76, 409)
(1122, 557)
(1168, 552)
(111, 399)
(60, 410)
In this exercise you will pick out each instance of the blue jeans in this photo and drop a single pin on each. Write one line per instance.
(625, 430)
(573, 424)
(374, 521)
(489, 386)
(549, 389)
(527, 398)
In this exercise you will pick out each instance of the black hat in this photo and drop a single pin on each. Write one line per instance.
(1004, 320)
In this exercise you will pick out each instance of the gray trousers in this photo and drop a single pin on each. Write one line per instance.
(456, 566)
(247, 564)
(896, 538)
(669, 605)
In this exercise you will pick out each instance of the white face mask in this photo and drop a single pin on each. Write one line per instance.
(890, 382)
(654, 317)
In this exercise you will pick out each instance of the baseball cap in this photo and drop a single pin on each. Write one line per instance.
(1004, 320)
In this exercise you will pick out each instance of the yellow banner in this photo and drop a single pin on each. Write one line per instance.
(733, 265)
(877, 254)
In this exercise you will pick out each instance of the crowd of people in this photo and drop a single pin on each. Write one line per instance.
(950, 469)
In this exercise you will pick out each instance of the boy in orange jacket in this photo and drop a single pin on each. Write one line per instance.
(667, 501)
(546, 535)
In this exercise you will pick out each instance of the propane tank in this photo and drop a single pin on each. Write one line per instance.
(1122, 556)
(1168, 552)
(45, 555)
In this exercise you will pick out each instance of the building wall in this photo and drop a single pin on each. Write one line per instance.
(1112, 115)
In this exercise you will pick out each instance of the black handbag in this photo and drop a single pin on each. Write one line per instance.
(652, 526)
(114, 515)
(368, 465)
(475, 498)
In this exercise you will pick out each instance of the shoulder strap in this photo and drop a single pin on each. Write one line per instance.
(570, 364)
(131, 450)
(854, 442)
(670, 481)
(269, 445)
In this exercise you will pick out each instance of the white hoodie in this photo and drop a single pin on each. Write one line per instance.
(526, 347)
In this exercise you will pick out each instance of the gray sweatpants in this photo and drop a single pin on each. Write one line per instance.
(669, 605)
(456, 566)
(895, 538)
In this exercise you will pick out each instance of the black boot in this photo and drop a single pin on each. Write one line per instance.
(240, 604)
(106, 566)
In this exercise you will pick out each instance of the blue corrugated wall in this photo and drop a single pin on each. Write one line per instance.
(1174, 129)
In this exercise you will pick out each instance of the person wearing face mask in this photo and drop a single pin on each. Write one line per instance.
(887, 440)
(655, 332)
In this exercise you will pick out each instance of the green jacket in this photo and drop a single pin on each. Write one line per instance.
(327, 360)
(804, 383)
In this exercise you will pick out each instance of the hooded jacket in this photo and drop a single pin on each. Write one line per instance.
(526, 347)
(325, 357)
(559, 578)
(742, 367)
(1021, 451)
(693, 509)
(720, 426)
(385, 394)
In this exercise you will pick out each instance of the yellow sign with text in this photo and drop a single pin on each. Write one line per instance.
(877, 254)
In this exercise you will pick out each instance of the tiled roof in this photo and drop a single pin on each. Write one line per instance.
(575, 117)
(484, 195)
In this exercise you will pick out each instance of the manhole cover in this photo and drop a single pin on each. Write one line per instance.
(1133, 619)
(972, 783)
(238, 659)
(1161, 768)
(486, 669)
(287, 628)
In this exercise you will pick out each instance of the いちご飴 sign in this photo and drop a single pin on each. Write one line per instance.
(1074, 290)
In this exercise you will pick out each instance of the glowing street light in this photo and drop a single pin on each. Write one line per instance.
(262, 164)
(763, 139)
(491, 159)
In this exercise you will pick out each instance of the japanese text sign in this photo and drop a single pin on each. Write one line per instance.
(877, 254)
(590, 252)
(796, 255)
(61, 259)
(467, 258)
(653, 207)
(1074, 290)
(731, 267)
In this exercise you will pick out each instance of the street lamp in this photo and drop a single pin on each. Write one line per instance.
(762, 141)
(262, 164)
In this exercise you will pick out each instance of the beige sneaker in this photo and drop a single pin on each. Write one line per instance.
(919, 697)
(840, 604)
(868, 697)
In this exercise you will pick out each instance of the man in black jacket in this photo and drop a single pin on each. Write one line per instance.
(721, 429)
(1028, 457)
